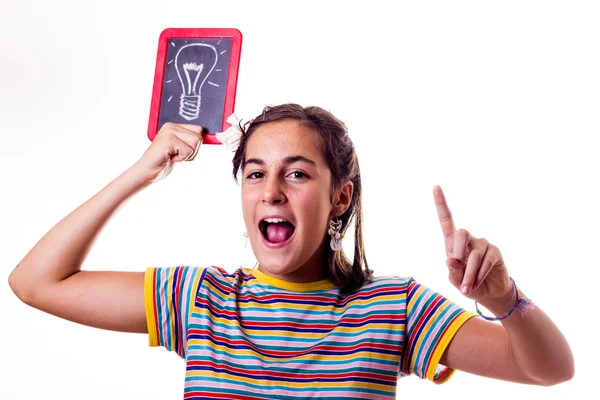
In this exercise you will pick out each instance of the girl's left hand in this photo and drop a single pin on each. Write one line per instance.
(475, 266)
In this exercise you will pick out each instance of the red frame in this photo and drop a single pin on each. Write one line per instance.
(161, 57)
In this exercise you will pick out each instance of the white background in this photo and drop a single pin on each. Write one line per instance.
(498, 102)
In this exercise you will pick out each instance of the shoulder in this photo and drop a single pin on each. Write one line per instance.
(194, 275)
(387, 283)
(220, 273)
(220, 279)
(388, 287)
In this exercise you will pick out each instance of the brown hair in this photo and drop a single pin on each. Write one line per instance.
(343, 163)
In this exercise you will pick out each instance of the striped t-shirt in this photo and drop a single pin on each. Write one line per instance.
(248, 336)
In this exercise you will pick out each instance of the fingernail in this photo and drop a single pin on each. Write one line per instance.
(465, 289)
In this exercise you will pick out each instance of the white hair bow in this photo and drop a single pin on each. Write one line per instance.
(232, 135)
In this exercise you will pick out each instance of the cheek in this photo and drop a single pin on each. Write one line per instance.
(313, 205)
(249, 199)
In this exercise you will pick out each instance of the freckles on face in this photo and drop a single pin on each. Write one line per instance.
(286, 176)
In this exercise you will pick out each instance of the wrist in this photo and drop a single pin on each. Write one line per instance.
(136, 178)
(502, 305)
(505, 305)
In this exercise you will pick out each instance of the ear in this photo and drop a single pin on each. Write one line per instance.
(342, 199)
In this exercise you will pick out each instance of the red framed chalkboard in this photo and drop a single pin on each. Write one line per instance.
(195, 79)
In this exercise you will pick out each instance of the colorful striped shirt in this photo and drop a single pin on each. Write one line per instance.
(249, 336)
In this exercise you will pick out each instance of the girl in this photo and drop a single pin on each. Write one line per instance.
(307, 321)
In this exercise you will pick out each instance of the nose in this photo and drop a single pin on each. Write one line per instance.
(273, 191)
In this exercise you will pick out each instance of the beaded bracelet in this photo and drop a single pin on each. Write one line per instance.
(521, 303)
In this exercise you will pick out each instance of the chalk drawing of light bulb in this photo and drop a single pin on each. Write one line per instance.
(194, 63)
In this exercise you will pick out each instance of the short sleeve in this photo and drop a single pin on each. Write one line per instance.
(431, 323)
(169, 297)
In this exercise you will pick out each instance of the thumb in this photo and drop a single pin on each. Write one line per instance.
(456, 272)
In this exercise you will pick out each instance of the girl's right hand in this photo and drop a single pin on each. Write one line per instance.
(173, 143)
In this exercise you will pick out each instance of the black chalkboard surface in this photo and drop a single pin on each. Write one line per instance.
(195, 79)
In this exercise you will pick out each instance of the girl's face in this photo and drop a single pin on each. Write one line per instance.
(286, 203)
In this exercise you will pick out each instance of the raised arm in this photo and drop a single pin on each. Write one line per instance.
(50, 279)
(525, 349)
(529, 349)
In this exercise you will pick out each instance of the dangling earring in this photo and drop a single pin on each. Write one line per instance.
(246, 240)
(336, 236)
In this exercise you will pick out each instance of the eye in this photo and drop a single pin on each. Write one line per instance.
(298, 175)
(255, 175)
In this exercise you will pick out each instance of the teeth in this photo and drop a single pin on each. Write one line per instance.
(274, 220)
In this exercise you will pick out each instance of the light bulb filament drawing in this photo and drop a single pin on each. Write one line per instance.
(187, 67)
(194, 63)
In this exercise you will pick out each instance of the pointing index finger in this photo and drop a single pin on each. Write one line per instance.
(445, 217)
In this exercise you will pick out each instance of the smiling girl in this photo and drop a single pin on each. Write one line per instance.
(307, 321)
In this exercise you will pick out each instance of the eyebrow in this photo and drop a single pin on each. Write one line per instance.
(286, 161)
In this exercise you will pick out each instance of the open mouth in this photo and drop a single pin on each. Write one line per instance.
(276, 230)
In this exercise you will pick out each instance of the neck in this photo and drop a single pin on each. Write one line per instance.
(311, 271)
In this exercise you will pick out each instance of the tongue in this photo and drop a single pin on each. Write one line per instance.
(280, 232)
